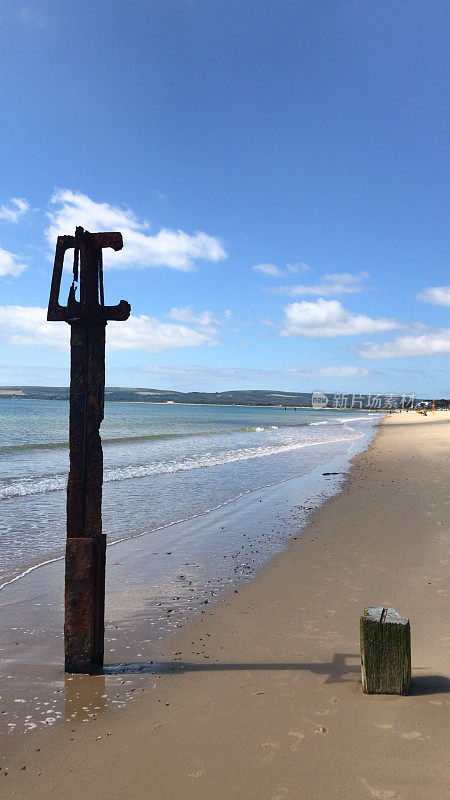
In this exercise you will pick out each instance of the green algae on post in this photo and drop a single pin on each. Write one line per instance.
(385, 651)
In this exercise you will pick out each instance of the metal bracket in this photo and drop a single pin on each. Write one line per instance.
(90, 306)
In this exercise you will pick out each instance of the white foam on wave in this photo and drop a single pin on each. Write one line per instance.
(29, 486)
(343, 421)
(171, 524)
(353, 419)
(225, 457)
(259, 428)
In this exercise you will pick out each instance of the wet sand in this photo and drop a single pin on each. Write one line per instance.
(155, 583)
(259, 696)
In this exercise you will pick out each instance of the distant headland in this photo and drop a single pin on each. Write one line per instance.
(250, 397)
(143, 395)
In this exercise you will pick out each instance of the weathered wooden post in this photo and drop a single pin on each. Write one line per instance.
(385, 651)
(86, 544)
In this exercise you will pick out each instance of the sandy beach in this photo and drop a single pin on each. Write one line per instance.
(259, 696)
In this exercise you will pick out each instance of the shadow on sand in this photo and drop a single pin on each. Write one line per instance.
(430, 684)
(336, 671)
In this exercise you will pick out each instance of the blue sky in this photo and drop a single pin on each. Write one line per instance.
(278, 169)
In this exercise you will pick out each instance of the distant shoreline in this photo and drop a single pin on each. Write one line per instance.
(184, 403)
(254, 398)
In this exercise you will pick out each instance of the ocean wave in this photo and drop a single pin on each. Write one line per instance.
(260, 428)
(25, 486)
(28, 446)
(353, 419)
(158, 528)
(41, 485)
(342, 421)
(132, 439)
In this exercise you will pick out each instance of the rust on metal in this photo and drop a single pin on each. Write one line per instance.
(86, 543)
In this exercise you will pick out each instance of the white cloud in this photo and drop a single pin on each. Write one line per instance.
(301, 267)
(186, 377)
(204, 319)
(249, 372)
(326, 318)
(24, 325)
(426, 344)
(278, 272)
(14, 210)
(148, 333)
(9, 264)
(332, 284)
(268, 269)
(437, 295)
(167, 248)
(343, 372)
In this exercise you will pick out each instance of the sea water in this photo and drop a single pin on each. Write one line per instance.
(196, 499)
(162, 463)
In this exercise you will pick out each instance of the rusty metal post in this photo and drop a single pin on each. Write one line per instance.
(86, 543)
